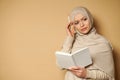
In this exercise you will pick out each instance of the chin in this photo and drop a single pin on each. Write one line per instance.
(85, 32)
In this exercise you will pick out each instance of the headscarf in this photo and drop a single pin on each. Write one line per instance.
(100, 49)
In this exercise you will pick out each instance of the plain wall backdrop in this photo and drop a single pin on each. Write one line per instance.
(32, 30)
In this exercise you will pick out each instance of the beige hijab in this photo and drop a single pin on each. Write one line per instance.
(100, 49)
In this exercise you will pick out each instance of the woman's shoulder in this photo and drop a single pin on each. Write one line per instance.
(104, 40)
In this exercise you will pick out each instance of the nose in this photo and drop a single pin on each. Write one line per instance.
(81, 24)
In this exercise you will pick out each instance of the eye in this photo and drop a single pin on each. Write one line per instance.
(84, 19)
(76, 22)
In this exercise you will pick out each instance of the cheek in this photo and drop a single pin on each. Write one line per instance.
(77, 27)
(87, 24)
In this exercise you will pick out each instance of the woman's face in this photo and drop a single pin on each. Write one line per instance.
(82, 24)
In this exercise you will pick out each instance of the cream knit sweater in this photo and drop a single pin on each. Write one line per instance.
(100, 51)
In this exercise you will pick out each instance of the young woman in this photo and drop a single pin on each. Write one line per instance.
(82, 33)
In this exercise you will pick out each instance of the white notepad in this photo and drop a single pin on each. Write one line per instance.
(80, 58)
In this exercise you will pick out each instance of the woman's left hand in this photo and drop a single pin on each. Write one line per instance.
(78, 71)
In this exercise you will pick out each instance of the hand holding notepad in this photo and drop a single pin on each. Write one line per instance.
(80, 58)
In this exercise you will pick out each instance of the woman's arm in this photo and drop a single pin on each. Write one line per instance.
(97, 74)
(67, 44)
(89, 74)
(70, 38)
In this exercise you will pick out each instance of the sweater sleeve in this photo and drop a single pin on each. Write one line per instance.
(97, 75)
(67, 44)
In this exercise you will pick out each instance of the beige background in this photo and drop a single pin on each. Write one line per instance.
(32, 30)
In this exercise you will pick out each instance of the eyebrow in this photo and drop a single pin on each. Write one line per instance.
(82, 18)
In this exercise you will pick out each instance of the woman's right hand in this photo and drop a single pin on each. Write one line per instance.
(70, 29)
(78, 71)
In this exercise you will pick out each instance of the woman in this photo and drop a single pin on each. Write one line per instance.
(82, 33)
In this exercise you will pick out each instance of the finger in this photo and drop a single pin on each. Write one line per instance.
(74, 68)
(68, 27)
(77, 73)
(73, 30)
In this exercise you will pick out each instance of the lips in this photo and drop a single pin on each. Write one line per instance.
(83, 29)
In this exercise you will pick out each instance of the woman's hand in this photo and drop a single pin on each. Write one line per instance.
(70, 29)
(78, 71)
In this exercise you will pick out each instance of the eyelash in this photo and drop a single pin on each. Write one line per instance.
(85, 19)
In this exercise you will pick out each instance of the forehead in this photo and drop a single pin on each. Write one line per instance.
(78, 16)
